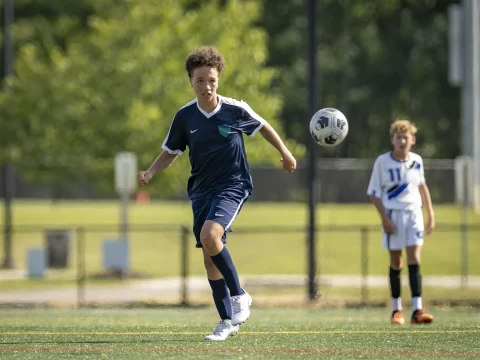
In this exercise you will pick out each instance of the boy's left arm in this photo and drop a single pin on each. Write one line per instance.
(427, 203)
(269, 133)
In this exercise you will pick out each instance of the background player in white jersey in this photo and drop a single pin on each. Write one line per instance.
(212, 127)
(398, 190)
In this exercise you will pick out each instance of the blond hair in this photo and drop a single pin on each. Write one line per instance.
(403, 126)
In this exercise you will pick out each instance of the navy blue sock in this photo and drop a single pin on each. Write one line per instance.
(221, 297)
(395, 283)
(415, 280)
(223, 262)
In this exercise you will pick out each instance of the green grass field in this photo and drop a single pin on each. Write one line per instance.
(278, 248)
(269, 334)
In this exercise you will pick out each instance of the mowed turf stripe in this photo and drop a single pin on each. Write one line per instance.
(302, 332)
(240, 351)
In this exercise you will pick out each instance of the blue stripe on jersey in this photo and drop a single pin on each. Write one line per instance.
(397, 191)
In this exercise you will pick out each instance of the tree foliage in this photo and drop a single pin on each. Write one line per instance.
(377, 61)
(116, 86)
(97, 77)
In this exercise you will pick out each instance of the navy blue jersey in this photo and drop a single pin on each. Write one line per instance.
(217, 152)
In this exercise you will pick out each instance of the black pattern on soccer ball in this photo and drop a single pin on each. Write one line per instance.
(322, 122)
(332, 139)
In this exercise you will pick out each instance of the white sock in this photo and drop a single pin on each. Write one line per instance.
(397, 304)
(417, 303)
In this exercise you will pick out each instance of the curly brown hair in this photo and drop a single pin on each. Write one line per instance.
(204, 56)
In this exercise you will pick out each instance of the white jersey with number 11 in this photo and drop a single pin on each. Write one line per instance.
(396, 182)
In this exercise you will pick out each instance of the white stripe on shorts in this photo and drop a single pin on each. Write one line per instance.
(236, 211)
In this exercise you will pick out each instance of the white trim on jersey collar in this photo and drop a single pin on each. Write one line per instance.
(400, 161)
(216, 110)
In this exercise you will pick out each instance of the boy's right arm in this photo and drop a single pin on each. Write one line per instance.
(387, 223)
(375, 193)
(163, 161)
(173, 146)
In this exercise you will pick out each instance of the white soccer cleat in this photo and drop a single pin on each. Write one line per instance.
(223, 331)
(241, 308)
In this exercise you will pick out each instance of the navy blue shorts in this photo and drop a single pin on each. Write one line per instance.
(222, 208)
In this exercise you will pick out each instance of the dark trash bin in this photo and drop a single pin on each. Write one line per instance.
(59, 244)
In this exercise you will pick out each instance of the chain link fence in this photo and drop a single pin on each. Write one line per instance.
(344, 181)
(339, 181)
(164, 267)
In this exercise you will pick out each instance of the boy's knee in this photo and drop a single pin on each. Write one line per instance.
(211, 243)
(396, 260)
(210, 237)
(208, 244)
(396, 264)
(413, 259)
(413, 255)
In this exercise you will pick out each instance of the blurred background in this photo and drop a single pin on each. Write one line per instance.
(88, 92)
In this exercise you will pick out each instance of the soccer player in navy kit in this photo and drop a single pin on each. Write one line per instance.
(211, 126)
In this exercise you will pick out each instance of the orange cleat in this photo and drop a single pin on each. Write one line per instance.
(398, 318)
(421, 317)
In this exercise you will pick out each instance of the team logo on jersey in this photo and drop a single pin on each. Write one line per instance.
(415, 165)
(224, 130)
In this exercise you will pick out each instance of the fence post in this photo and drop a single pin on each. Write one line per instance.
(364, 263)
(184, 263)
(465, 196)
(80, 267)
(464, 255)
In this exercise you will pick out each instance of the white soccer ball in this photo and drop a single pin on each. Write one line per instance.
(329, 127)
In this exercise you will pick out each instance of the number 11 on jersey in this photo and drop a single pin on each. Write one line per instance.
(393, 172)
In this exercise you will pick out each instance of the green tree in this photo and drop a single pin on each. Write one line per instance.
(45, 22)
(73, 107)
(378, 60)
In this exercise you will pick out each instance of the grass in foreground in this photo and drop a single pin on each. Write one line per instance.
(269, 334)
